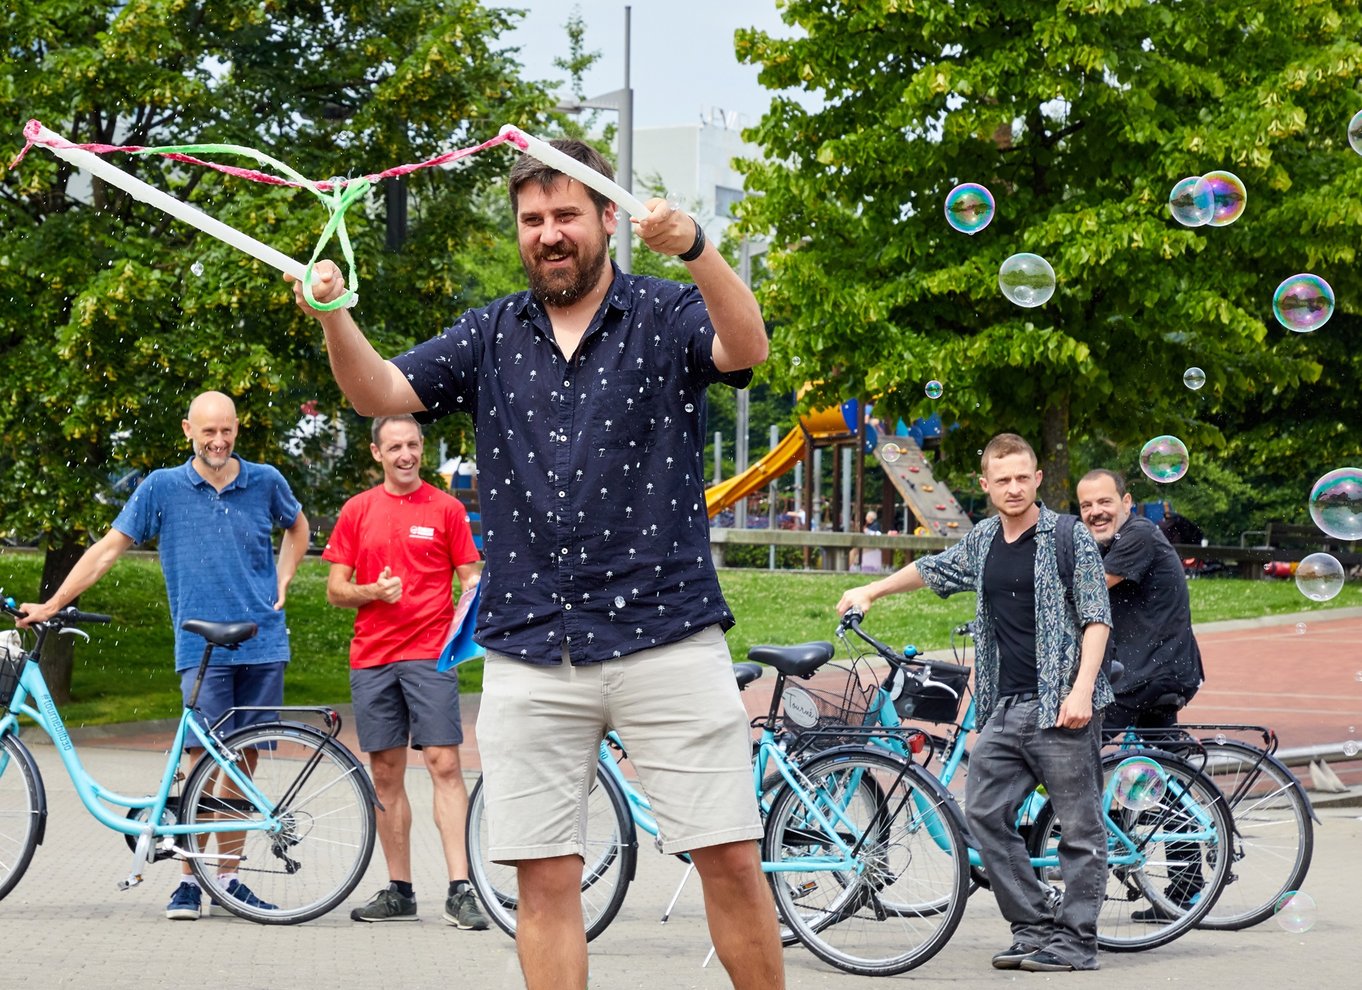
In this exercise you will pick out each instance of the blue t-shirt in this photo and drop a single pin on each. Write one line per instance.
(216, 553)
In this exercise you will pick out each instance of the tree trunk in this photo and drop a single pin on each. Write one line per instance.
(59, 651)
(1054, 454)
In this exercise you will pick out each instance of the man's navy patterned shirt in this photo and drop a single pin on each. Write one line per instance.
(590, 469)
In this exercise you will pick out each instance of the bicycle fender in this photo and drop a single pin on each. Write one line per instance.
(41, 797)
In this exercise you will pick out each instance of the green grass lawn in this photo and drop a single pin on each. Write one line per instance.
(126, 671)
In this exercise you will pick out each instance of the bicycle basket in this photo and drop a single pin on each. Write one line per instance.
(938, 701)
(11, 664)
(839, 700)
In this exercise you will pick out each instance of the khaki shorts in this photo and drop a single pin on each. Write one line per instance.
(678, 712)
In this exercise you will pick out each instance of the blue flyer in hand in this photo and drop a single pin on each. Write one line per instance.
(461, 646)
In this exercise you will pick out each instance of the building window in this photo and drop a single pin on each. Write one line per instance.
(724, 200)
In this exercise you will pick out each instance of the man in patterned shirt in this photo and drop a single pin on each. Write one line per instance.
(1038, 684)
(600, 604)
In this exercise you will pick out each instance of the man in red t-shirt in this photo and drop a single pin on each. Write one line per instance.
(394, 553)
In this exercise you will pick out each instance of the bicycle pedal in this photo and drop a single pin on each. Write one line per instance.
(133, 880)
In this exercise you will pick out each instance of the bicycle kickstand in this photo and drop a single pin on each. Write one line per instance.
(690, 868)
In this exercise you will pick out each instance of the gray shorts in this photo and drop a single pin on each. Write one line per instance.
(407, 702)
(679, 715)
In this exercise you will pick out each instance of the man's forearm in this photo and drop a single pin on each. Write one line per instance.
(733, 311)
(293, 547)
(362, 373)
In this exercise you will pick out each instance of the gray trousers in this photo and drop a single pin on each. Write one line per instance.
(1012, 756)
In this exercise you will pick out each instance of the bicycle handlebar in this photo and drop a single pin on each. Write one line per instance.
(917, 668)
(69, 616)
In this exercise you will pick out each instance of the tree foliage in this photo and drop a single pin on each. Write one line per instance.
(1079, 115)
(106, 329)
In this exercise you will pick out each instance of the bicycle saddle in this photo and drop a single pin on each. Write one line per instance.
(220, 633)
(746, 673)
(799, 660)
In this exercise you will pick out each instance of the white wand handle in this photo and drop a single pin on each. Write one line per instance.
(152, 196)
(584, 174)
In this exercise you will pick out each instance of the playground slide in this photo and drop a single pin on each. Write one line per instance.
(782, 457)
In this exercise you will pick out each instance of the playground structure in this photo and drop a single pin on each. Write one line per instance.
(905, 466)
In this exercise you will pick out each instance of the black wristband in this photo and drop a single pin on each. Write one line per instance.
(698, 246)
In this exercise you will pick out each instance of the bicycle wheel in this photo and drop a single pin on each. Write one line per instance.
(907, 849)
(23, 809)
(1274, 835)
(607, 869)
(1177, 850)
(319, 846)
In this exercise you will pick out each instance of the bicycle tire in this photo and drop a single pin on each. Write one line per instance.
(318, 853)
(611, 849)
(1274, 835)
(912, 850)
(1151, 884)
(23, 811)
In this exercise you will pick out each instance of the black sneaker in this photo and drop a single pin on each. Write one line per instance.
(1011, 957)
(462, 910)
(1045, 961)
(386, 905)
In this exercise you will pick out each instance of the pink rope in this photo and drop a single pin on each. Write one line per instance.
(33, 128)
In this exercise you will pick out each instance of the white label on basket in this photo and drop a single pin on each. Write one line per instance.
(799, 707)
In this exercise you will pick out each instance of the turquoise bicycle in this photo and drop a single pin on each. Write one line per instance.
(864, 849)
(288, 807)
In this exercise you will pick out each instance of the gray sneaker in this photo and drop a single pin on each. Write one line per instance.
(386, 905)
(462, 910)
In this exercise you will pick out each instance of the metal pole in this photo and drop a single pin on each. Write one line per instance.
(847, 471)
(774, 493)
(624, 249)
(718, 458)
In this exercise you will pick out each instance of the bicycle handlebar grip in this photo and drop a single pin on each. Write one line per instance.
(73, 615)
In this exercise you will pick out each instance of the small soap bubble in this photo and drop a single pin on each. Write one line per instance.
(890, 453)
(690, 407)
(1139, 784)
(1303, 302)
(1194, 378)
(1220, 738)
(1192, 201)
(1164, 459)
(1355, 132)
(1230, 197)
(674, 201)
(1295, 912)
(1300, 628)
(1336, 503)
(197, 268)
(1350, 748)
(337, 183)
(969, 208)
(1319, 577)
(934, 389)
(1027, 280)
(1358, 676)
(796, 361)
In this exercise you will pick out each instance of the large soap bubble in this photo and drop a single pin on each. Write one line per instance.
(1319, 577)
(1138, 784)
(1336, 503)
(969, 208)
(1027, 280)
(1295, 912)
(1192, 201)
(1303, 303)
(1194, 378)
(1164, 459)
(1230, 197)
(934, 389)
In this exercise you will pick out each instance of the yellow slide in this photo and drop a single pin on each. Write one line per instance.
(782, 457)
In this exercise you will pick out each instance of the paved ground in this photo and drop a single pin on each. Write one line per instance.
(77, 930)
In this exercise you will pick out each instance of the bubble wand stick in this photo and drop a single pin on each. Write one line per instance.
(152, 196)
(584, 174)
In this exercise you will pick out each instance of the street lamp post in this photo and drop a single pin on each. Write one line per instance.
(621, 101)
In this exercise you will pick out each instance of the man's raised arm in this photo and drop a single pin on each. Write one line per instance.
(374, 386)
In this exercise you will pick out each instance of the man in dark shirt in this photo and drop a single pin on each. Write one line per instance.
(600, 604)
(1150, 610)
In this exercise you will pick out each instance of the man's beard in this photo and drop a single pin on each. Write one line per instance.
(201, 452)
(563, 287)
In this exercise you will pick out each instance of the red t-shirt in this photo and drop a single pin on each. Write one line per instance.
(422, 537)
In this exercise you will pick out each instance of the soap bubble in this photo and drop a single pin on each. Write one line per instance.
(1336, 503)
(1303, 303)
(197, 268)
(934, 389)
(1027, 280)
(1355, 132)
(1295, 912)
(1192, 201)
(1300, 628)
(890, 453)
(969, 208)
(1319, 577)
(1221, 738)
(1230, 197)
(1139, 784)
(1164, 459)
(796, 361)
(1194, 378)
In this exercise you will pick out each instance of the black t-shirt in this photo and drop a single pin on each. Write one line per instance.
(1010, 584)
(1150, 611)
